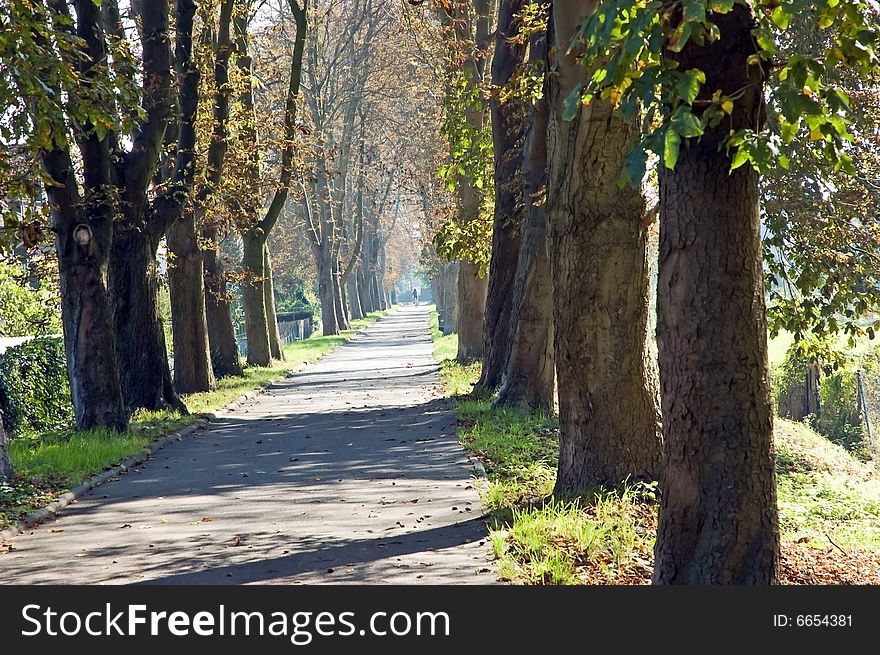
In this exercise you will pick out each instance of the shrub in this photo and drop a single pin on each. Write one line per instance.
(34, 390)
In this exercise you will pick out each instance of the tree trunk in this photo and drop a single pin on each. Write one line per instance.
(508, 125)
(354, 301)
(363, 291)
(326, 291)
(530, 368)
(339, 305)
(225, 358)
(450, 298)
(471, 304)
(140, 338)
(6, 471)
(271, 315)
(608, 391)
(255, 321)
(87, 320)
(718, 517)
(192, 358)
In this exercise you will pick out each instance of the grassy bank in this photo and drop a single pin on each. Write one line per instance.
(51, 464)
(829, 503)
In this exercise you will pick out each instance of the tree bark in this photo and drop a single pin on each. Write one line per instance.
(471, 304)
(530, 369)
(363, 291)
(6, 471)
(354, 300)
(341, 318)
(608, 391)
(193, 370)
(255, 322)
(271, 315)
(718, 519)
(450, 298)
(140, 346)
(508, 125)
(225, 358)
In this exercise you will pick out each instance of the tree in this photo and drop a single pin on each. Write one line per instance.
(608, 407)
(530, 370)
(146, 213)
(508, 125)
(6, 471)
(260, 320)
(82, 211)
(712, 64)
(467, 236)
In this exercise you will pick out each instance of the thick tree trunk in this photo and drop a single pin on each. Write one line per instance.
(6, 471)
(225, 358)
(508, 126)
(193, 371)
(718, 517)
(271, 315)
(255, 321)
(471, 305)
(531, 367)
(89, 339)
(140, 338)
(326, 292)
(608, 390)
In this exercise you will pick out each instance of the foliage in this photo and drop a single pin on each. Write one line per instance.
(633, 40)
(470, 163)
(24, 309)
(34, 390)
(45, 96)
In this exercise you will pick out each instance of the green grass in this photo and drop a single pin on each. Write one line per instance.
(458, 380)
(51, 464)
(824, 494)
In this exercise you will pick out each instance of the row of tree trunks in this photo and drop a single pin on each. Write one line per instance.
(508, 126)
(254, 300)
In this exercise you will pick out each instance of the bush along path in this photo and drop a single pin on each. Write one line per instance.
(349, 472)
(829, 501)
(51, 459)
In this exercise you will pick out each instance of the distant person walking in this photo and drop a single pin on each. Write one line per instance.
(415, 295)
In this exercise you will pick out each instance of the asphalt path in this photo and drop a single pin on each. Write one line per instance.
(349, 472)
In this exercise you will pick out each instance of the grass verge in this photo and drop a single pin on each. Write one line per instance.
(52, 463)
(829, 502)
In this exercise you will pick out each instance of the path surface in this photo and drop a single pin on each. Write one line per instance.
(349, 472)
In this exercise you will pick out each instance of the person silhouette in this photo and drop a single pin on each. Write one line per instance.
(415, 296)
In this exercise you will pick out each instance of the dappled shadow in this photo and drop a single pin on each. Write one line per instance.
(347, 466)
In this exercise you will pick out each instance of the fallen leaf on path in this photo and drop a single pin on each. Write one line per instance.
(6, 548)
(207, 519)
(236, 541)
(125, 525)
(54, 531)
(80, 554)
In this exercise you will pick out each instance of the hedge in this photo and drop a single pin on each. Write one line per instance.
(34, 389)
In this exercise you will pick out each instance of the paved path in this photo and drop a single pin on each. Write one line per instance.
(349, 472)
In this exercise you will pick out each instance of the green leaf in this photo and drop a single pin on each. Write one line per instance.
(688, 86)
(780, 17)
(722, 6)
(784, 162)
(789, 131)
(742, 156)
(686, 124)
(671, 145)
